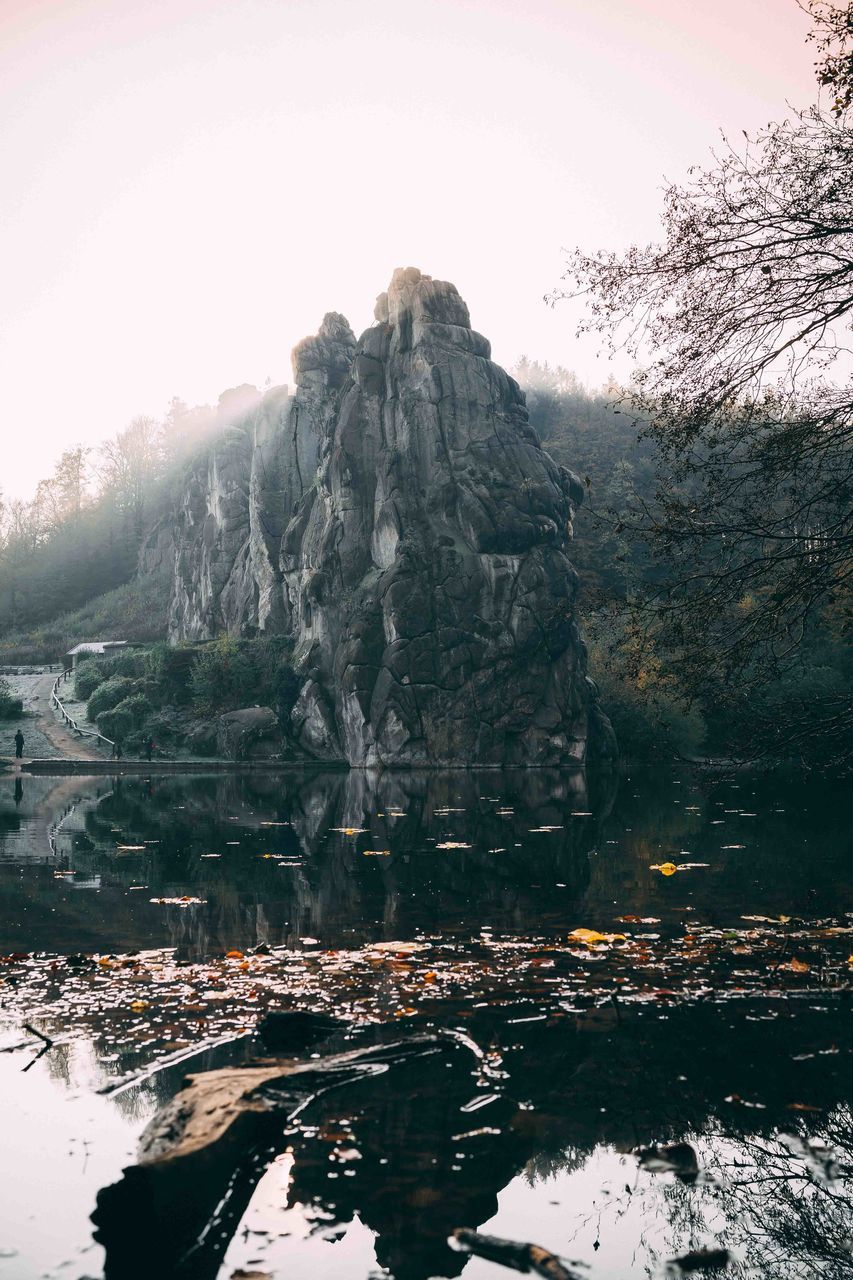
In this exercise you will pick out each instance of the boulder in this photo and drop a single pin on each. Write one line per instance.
(251, 733)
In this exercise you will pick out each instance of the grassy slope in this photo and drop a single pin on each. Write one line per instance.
(135, 611)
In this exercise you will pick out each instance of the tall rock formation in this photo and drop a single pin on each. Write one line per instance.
(398, 518)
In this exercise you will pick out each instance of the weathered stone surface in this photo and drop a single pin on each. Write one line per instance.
(251, 733)
(398, 518)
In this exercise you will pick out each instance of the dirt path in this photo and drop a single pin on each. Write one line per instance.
(44, 734)
(67, 743)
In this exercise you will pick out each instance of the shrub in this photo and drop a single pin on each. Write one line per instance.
(116, 723)
(650, 714)
(87, 677)
(230, 673)
(220, 677)
(137, 707)
(134, 664)
(10, 706)
(109, 695)
(171, 667)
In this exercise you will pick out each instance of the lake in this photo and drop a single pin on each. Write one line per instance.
(647, 979)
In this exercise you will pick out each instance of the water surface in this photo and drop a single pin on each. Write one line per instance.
(596, 1051)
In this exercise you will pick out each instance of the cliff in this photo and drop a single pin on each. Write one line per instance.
(398, 519)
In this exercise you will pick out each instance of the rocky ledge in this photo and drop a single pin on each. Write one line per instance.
(398, 519)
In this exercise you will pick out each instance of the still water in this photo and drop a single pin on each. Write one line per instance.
(708, 1009)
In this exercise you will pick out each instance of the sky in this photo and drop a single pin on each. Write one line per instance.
(187, 186)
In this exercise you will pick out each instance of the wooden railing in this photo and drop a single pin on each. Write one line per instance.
(73, 724)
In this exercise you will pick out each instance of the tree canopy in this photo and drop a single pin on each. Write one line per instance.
(741, 318)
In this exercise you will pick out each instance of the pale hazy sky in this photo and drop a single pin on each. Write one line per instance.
(186, 186)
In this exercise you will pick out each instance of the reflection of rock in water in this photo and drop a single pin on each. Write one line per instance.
(513, 830)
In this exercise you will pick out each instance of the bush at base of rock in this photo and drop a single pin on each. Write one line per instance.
(109, 695)
(138, 706)
(120, 721)
(229, 672)
(116, 724)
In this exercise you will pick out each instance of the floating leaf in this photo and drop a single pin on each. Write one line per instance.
(592, 935)
(185, 901)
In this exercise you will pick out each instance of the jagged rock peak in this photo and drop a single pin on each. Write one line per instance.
(400, 522)
(412, 294)
(329, 352)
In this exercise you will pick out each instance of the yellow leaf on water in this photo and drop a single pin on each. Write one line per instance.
(592, 935)
(665, 868)
(138, 1005)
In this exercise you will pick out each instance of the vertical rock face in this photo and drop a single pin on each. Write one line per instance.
(399, 519)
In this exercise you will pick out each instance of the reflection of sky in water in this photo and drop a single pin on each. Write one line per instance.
(60, 1144)
(598, 1211)
(296, 858)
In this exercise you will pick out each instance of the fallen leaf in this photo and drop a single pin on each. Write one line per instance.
(592, 935)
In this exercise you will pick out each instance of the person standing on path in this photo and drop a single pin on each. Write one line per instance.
(19, 744)
(149, 748)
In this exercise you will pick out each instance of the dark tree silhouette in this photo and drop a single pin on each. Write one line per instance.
(742, 319)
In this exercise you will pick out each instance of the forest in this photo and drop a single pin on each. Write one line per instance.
(68, 571)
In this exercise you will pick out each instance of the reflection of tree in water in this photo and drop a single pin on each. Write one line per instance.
(781, 1204)
(435, 1145)
(788, 1198)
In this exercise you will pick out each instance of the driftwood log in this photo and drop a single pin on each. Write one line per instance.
(513, 1253)
(173, 1213)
